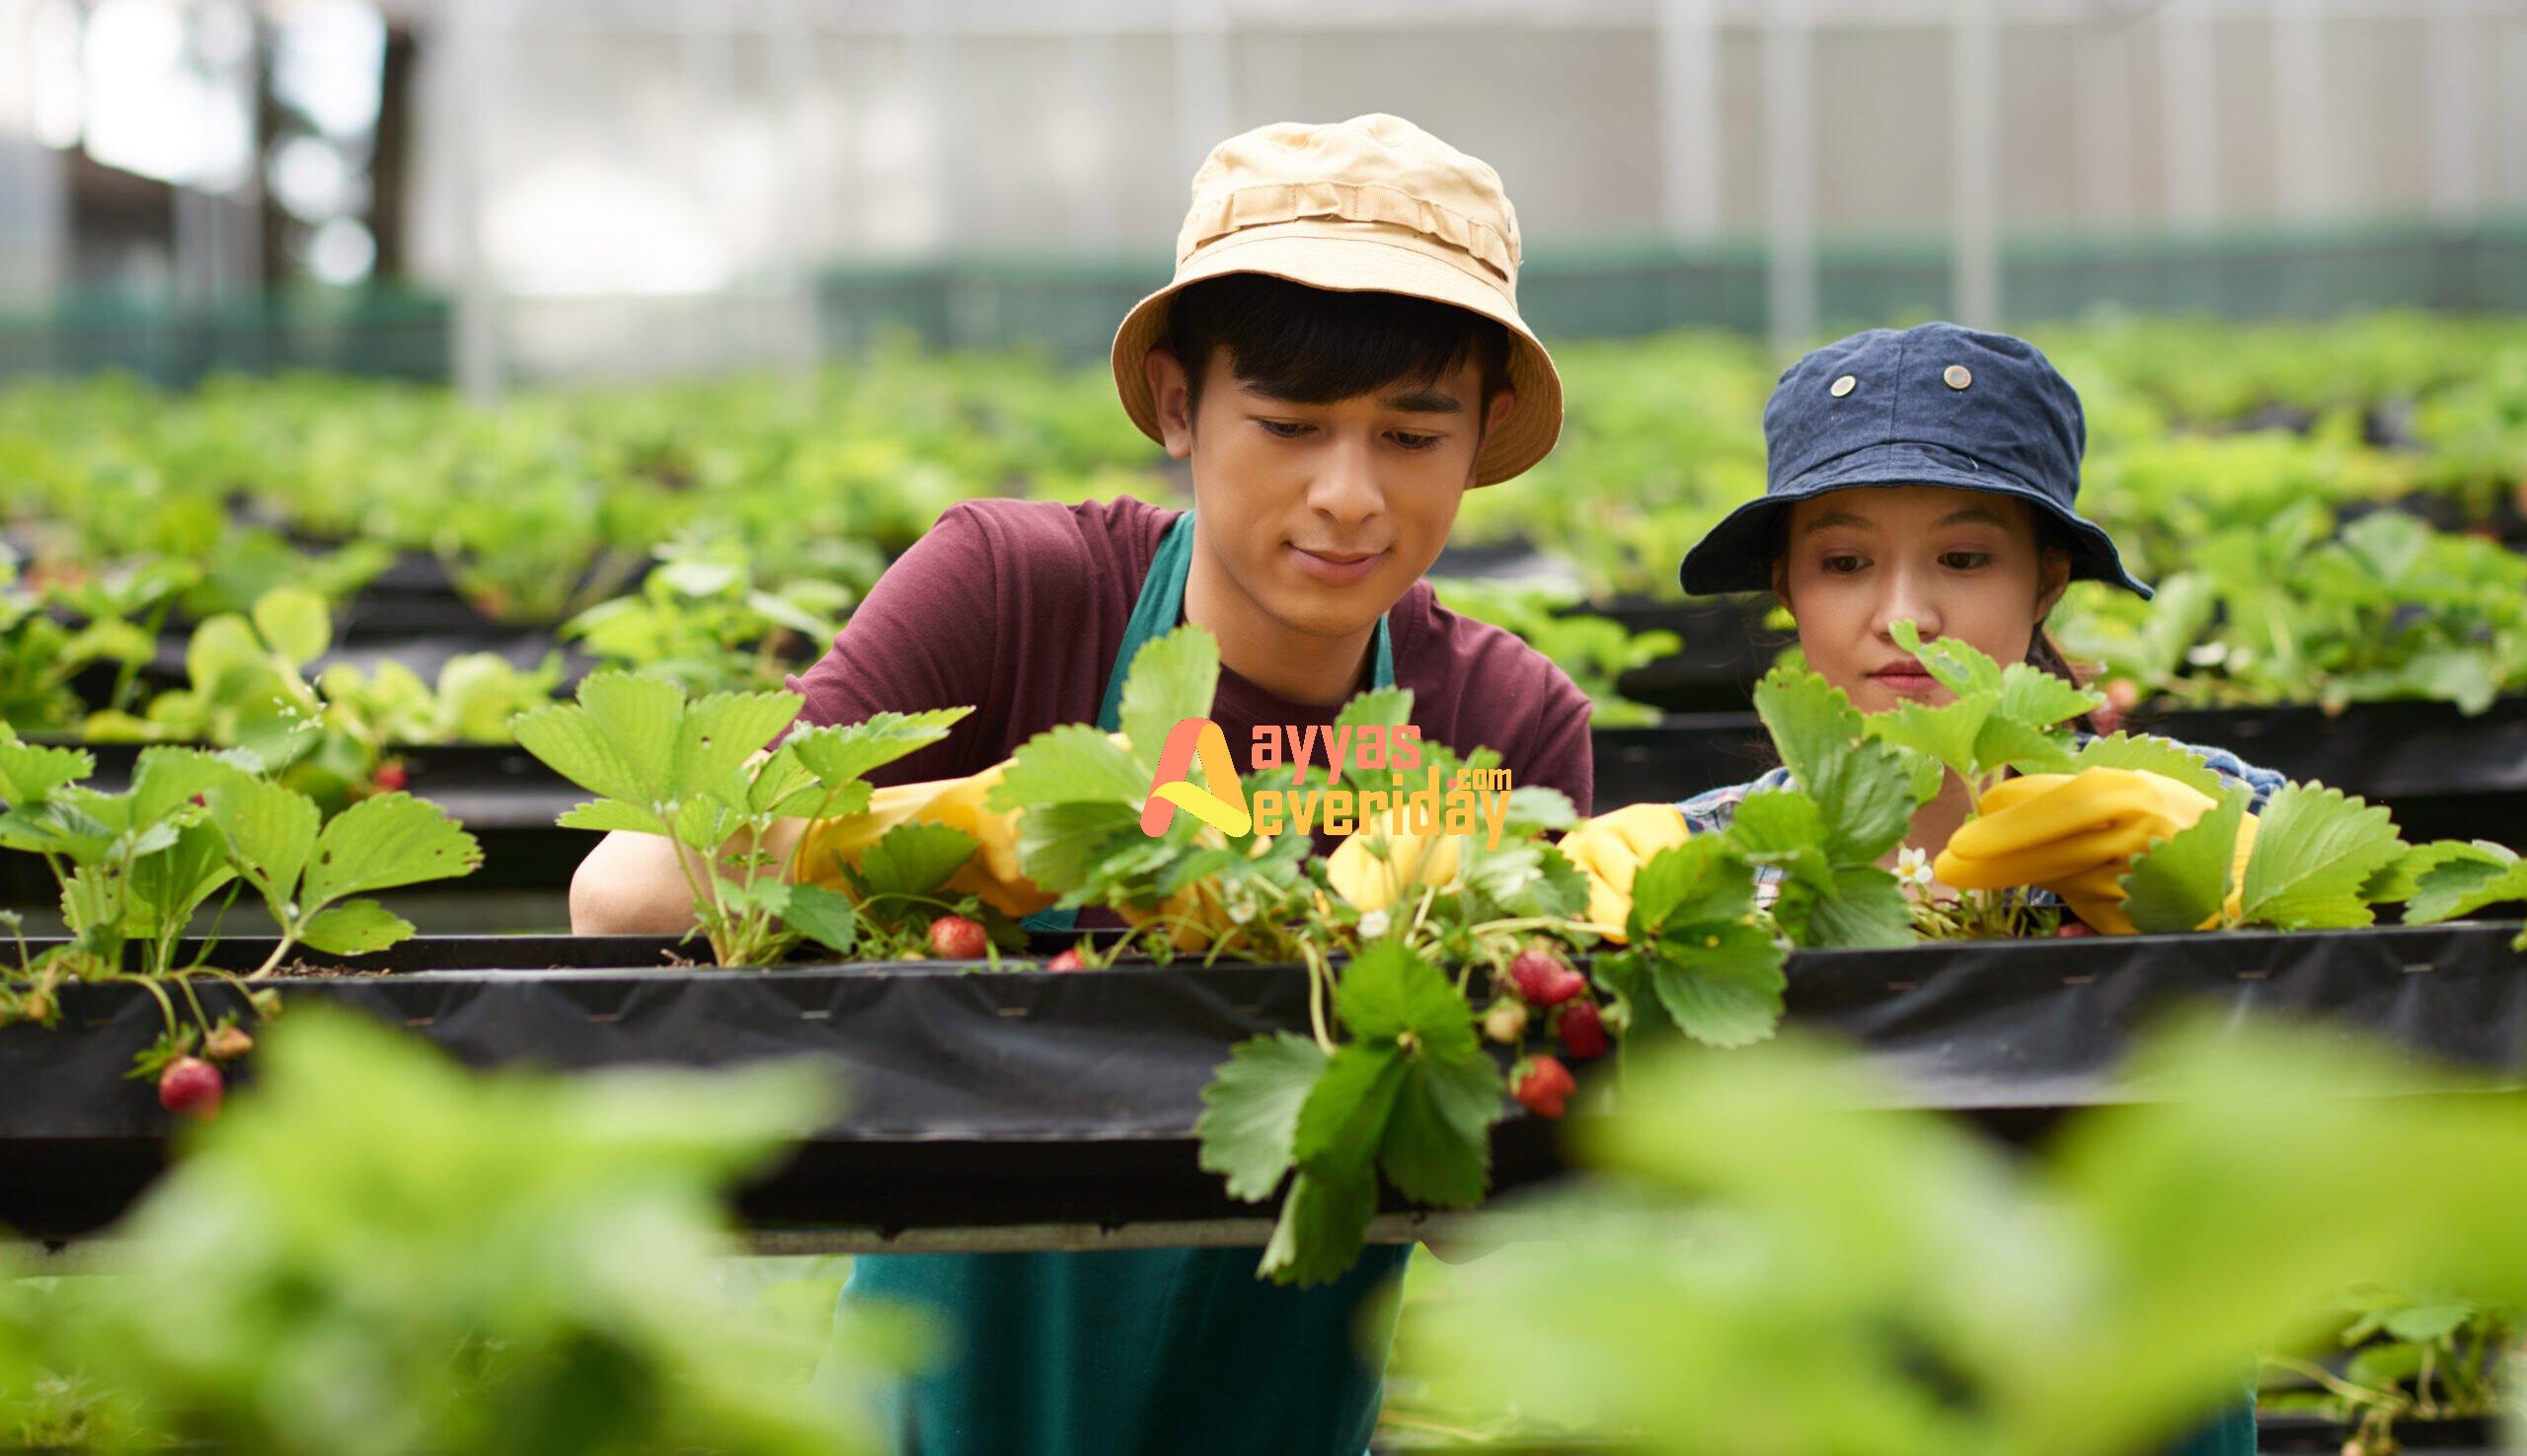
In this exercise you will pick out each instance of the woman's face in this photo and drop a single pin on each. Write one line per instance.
(1958, 564)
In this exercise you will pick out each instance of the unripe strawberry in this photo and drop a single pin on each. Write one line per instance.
(1067, 961)
(1543, 978)
(190, 1086)
(1545, 1086)
(1583, 1031)
(227, 1045)
(1506, 1023)
(955, 938)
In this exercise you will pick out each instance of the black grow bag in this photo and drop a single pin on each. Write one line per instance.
(2300, 1435)
(2446, 775)
(1025, 1097)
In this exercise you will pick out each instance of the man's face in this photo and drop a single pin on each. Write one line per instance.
(1324, 514)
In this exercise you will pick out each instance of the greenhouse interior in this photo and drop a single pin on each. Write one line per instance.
(1704, 728)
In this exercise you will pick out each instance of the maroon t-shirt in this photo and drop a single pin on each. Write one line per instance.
(1017, 608)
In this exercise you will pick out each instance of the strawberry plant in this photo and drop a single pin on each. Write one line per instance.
(1591, 651)
(702, 619)
(2410, 1355)
(678, 767)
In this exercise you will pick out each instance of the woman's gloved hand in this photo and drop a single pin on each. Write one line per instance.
(1610, 850)
(992, 875)
(2076, 835)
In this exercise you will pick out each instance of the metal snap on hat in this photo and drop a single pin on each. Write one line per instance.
(1935, 404)
(1372, 205)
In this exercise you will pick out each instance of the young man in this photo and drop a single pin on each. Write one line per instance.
(1340, 356)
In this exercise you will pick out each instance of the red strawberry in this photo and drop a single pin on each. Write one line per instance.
(1545, 1086)
(190, 1086)
(1067, 961)
(390, 777)
(227, 1045)
(955, 938)
(1582, 1030)
(1544, 978)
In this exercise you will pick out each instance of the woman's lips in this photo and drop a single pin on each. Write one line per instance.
(1336, 571)
(1905, 682)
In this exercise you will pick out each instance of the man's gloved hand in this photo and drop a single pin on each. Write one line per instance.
(2076, 835)
(1610, 850)
(992, 874)
(1412, 860)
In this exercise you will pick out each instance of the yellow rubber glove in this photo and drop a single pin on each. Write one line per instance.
(1610, 850)
(1413, 862)
(992, 875)
(2076, 835)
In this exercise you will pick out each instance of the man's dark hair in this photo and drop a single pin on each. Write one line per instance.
(1315, 347)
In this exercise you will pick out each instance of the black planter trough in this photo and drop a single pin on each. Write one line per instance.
(1020, 1099)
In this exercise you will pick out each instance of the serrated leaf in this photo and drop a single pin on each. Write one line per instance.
(2185, 880)
(1722, 983)
(1386, 709)
(271, 831)
(1809, 719)
(720, 733)
(2402, 877)
(1778, 825)
(1388, 990)
(1946, 734)
(2461, 888)
(1689, 884)
(825, 916)
(2034, 697)
(841, 752)
(1343, 1121)
(28, 774)
(1250, 1112)
(383, 842)
(167, 886)
(1958, 667)
(295, 623)
(1865, 911)
(356, 928)
(1059, 845)
(165, 779)
(617, 740)
(1868, 796)
(1070, 764)
(1537, 810)
(2153, 754)
(611, 815)
(1170, 678)
(1324, 1222)
(915, 859)
(2314, 851)
(1438, 1140)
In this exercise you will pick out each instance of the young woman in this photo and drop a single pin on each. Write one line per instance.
(1925, 474)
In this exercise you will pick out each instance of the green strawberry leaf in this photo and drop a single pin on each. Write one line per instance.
(294, 623)
(2465, 887)
(618, 741)
(1060, 844)
(841, 752)
(1865, 911)
(356, 928)
(720, 733)
(825, 916)
(1959, 669)
(271, 831)
(391, 840)
(1946, 734)
(1809, 719)
(2031, 695)
(28, 774)
(2315, 850)
(1721, 982)
(2402, 877)
(1387, 991)
(1171, 678)
(1696, 881)
(1070, 764)
(611, 815)
(915, 859)
(2005, 743)
(1251, 1111)
(1438, 1142)
(1343, 1122)
(1324, 1222)
(2179, 883)
(2150, 753)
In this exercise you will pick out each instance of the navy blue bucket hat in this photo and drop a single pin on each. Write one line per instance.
(1935, 404)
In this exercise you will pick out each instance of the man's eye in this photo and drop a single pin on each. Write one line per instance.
(1289, 429)
(1416, 441)
(1842, 566)
(1966, 561)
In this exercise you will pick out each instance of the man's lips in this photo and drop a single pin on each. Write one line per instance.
(1337, 568)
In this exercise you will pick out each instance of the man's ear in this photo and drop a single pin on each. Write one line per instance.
(1172, 392)
(1504, 402)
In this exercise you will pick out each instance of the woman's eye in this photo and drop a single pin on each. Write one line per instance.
(1842, 566)
(1966, 561)
(1286, 430)
(1415, 441)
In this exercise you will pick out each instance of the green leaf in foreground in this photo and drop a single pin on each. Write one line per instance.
(1324, 1222)
(1070, 764)
(915, 859)
(1171, 678)
(2315, 850)
(2181, 883)
(2147, 751)
(1250, 1112)
(1438, 1140)
(1722, 983)
(2465, 885)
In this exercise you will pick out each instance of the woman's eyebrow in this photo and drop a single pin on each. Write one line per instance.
(1837, 519)
(1976, 513)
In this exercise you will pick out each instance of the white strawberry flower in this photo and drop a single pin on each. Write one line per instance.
(1372, 925)
(1913, 868)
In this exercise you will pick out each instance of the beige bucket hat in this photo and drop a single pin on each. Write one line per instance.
(1372, 205)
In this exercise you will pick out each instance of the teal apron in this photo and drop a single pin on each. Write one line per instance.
(1140, 1351)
